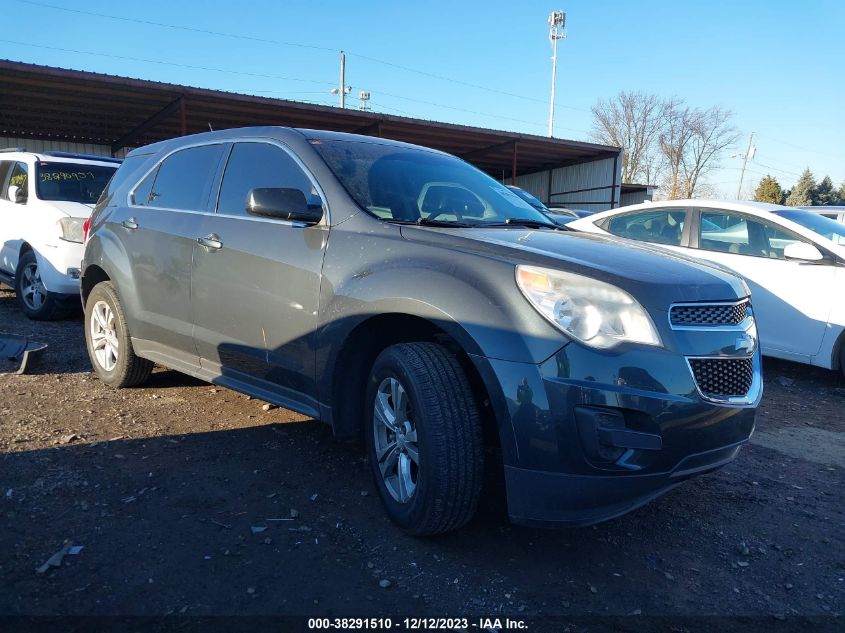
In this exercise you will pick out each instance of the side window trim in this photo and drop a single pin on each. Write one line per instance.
(130, 195)
(229, 144)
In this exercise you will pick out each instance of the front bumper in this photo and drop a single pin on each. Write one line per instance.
(583, 446)
(546, 499)
(59, 266)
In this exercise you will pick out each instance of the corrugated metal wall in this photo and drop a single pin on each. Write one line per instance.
(634, 198)
(583, 186)
(33, 145)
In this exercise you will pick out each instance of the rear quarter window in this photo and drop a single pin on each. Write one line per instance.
(129, 169)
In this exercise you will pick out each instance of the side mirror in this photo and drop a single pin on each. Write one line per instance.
(17, 194)
(801, 251)
(283, 204)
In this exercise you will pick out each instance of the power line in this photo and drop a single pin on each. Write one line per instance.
(804, 149)
(296, 45)
(191, 29)
(165, 63)
(263, 76)
(784, 171)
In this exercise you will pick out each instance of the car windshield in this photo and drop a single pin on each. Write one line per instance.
(72, 182)
(405, 184)
(831, 229)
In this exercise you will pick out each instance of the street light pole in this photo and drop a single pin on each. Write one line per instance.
(557, 24)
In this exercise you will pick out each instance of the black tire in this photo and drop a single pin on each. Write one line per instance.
(51, 307)
(129, 370)
(842, 359)
(448, 437)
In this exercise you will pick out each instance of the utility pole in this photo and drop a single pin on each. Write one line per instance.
(557, 26)
(342, 90)
(749, 153)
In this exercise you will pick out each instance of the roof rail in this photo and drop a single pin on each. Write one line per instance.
(104, 159)
(12, 149)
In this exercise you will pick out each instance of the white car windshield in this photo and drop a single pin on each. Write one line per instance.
(71, 182)
(831, 229)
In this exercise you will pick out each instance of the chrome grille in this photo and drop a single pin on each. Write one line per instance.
(708, 314)
(722, 378)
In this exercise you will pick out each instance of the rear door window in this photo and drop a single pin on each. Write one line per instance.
(128, 170)
(661, 226)
(259, 165)
(183, 181)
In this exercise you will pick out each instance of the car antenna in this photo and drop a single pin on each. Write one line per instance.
(210, 129)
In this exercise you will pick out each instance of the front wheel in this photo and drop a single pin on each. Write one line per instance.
(424, 438)
(33, 298)
(108, 341)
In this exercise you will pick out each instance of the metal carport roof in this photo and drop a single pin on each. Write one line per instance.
(48, 103)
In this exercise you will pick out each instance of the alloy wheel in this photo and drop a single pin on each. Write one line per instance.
(395, 437)
(33, 291)
(104, 340)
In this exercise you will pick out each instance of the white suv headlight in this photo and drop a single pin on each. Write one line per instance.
(71, 229)
(594, 312)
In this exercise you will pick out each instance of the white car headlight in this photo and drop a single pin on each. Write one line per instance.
(71, 229)
(596, 313)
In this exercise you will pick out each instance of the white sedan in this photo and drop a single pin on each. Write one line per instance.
(793, 261)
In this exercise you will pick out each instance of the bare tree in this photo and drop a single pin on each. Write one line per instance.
(633, 121)
(712, 132)
(664, 139)
(692, 142)
(675, 136)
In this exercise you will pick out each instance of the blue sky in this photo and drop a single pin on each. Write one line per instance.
(778, 66)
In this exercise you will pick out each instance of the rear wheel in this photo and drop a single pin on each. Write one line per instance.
(33, 298)
(108, 341)
(424, 438)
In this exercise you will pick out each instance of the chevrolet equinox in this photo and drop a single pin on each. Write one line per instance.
(400, 294)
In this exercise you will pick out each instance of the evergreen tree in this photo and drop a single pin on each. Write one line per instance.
(769, 190)
(802, 193)
(824, 193)
(841, 194)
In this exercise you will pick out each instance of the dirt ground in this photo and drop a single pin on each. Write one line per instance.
(191, 499)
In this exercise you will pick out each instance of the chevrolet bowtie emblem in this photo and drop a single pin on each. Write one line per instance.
(744, 344)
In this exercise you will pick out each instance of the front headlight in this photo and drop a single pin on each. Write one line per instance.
(596, 313)
(71, 229)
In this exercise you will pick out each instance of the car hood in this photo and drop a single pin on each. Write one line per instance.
(71, 209)
(656, 277)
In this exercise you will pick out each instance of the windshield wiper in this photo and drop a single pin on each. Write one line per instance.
(526, 222)
(427, 222)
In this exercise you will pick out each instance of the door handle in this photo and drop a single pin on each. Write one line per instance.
(130, 223)
(210, 241)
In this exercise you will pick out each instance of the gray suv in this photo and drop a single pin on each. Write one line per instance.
(399, 294)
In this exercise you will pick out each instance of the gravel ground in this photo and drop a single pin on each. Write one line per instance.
(191, 499)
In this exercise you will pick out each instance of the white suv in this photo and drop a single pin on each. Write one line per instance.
(45, 198)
